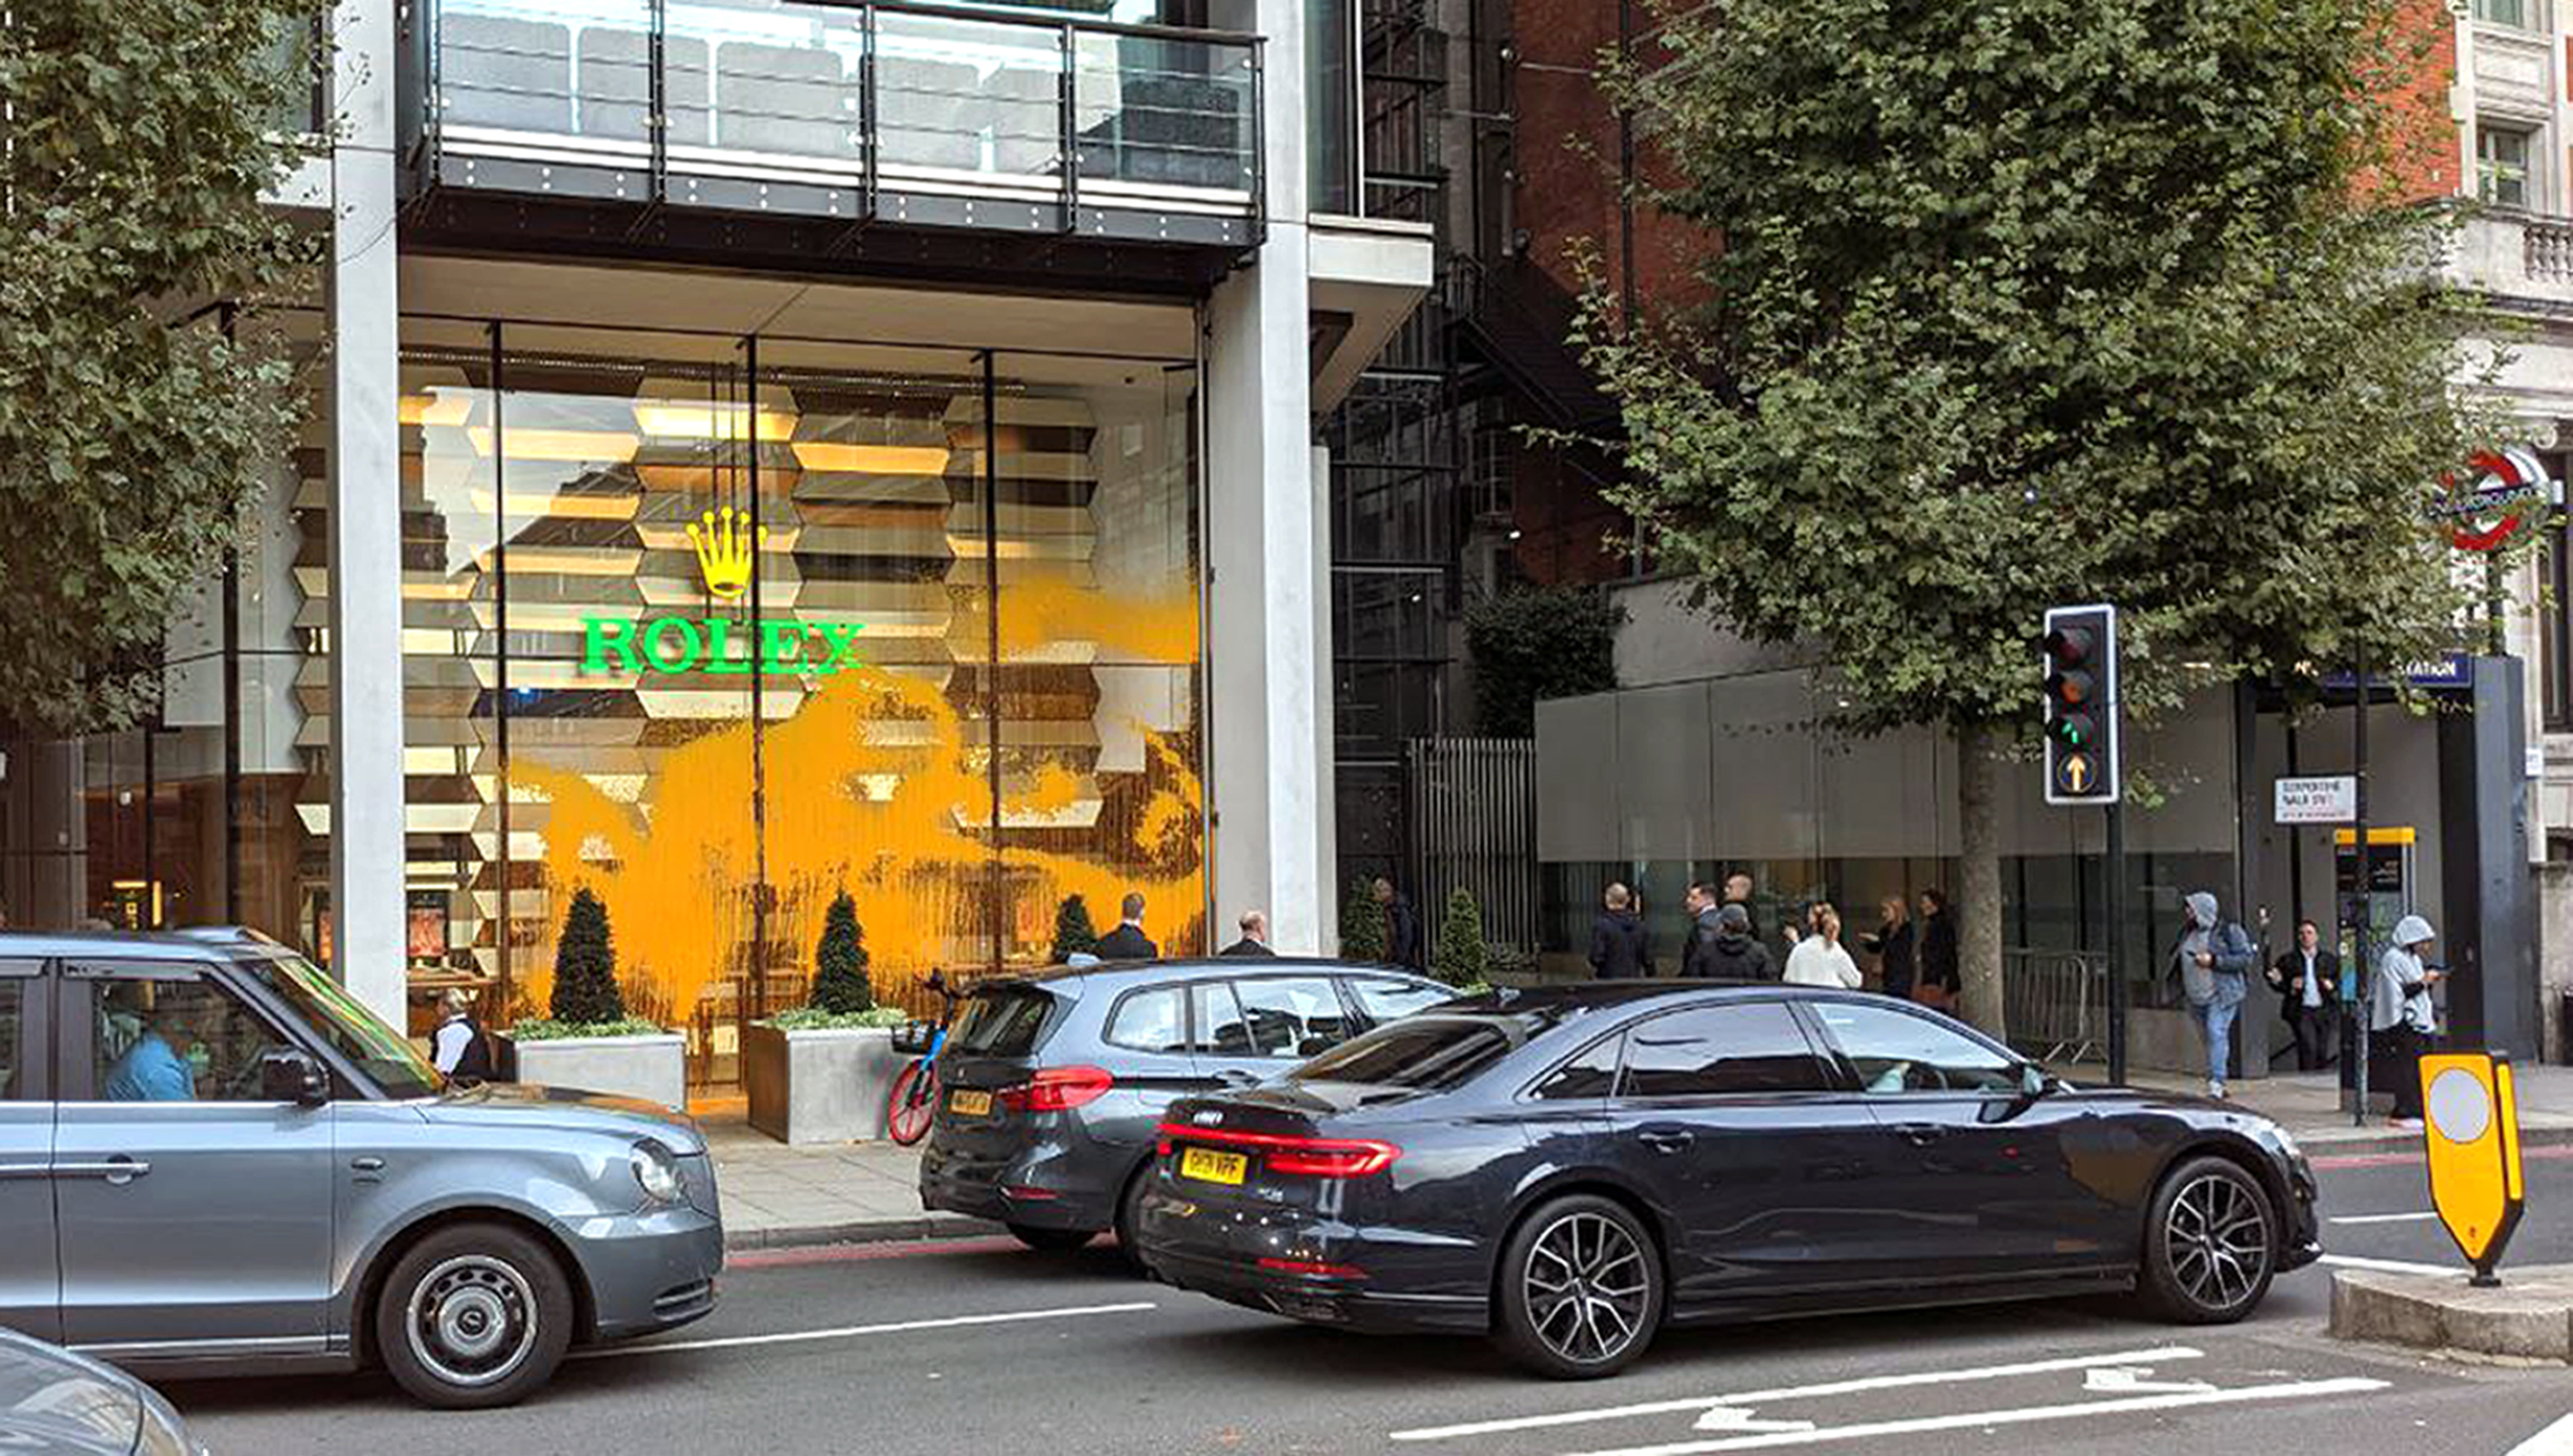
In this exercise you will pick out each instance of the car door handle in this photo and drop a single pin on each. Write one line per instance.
(1237, 1079)
(117, 1170)
(1920, 1135)
(1667, 1141)
(367, 1164)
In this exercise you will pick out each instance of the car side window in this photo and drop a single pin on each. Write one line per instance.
(15, 987)
(1220, 1030)
(1898, 1052)
(1712, 1050)
(175, 1040)
(1293, 1017)
(1150, 1020)
(1587, 1077)
(1392, 1000)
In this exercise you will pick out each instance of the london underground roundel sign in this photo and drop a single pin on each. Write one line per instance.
(2508, 482)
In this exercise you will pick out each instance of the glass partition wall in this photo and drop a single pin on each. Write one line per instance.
(720, 629)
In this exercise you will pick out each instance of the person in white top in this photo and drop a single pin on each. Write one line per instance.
(1818, 959)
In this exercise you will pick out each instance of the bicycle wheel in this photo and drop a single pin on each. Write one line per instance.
(909, 1104)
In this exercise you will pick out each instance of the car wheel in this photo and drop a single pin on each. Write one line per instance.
(474, 1316)
(2210, 1243)
(1052, 1240)
(1129, 1218)
(1580, 1289)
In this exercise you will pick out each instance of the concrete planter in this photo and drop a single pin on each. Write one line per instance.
(652, 1068)
(819, 1086)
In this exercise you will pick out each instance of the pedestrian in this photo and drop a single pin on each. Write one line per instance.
(1939, 980)
(459, 1047)
(1893, 946)
(1401, 926)
(1740, 889)
(2308, 980)
(1618, 950)
(1734, 953)
(1127, 942)
(2401, 1014)
(1255, 937)
(1703, 927)
(2214, 956)
(1820, 959)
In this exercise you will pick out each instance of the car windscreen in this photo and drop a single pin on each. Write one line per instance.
(1425, 1053)
(386, 1056)
(1002, 1021)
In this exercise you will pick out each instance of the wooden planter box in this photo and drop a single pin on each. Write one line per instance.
(819, 1086)
(650, 1068)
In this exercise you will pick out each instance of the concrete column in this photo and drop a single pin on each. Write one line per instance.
(365, 520)
(1325, 720)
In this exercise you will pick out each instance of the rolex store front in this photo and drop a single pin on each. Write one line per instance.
(717, 624)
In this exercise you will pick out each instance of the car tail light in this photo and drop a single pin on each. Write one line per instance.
(1058, 1090)
(1315, 1268)
(1317, 1157)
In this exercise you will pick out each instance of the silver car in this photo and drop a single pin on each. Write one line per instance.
(54, 1401)
(212, 1158)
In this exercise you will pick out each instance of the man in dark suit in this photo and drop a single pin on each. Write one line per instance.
(1704, 925)
(1127, 942)
(2308, 980)
(1255, 937)
(1618, 950)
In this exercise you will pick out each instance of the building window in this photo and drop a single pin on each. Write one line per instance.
(2503, 12)
(2555, 630)
(2501, 165)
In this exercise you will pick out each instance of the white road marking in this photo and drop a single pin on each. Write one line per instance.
(2383, 1217)
(2388, 1266)
(1801, 1392)
(1735, 1418)
(2025, 1415)
(851, 1331)
(2134, 1380)
(2555, 1440)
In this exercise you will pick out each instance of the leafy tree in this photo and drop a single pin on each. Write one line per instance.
(1543, 642)
(585, 991)
(1363, 928)
(141, 135)
(840, 982)
(1073, 933)
(2024, 303)
(1461, 958)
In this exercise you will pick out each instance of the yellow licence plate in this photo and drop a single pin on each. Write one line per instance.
(1209, 1167)
(965, 1103)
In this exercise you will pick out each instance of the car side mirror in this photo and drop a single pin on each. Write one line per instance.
(288, 1075)
(2033, 1080)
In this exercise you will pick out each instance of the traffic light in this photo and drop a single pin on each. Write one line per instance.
(2081, 705)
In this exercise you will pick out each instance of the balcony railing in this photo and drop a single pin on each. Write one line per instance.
(897, 113)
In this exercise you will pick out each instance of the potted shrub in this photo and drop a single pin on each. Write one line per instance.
(587, 1041)
(821, 1073)
(1462, 960)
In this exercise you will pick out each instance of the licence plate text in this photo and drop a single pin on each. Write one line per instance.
(965, 1103)
(1209, 1167)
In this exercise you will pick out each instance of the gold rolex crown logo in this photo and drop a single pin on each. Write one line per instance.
(727, 547)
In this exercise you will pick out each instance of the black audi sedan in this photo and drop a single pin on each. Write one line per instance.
(1567, 1170)
(1051, 1084)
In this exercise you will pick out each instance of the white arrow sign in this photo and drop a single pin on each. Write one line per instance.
(2130, 1380)
(1740, 1419)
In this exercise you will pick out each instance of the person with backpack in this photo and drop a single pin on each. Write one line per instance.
(2214, 956)
(459, 1047)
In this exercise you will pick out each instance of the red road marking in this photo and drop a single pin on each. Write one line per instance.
(2398, 1160)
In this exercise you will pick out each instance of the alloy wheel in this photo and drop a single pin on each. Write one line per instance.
(472, 1320)
(2218, 1235)
(1588, 1287)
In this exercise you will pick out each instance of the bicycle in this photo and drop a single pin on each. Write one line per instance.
(913, 1099)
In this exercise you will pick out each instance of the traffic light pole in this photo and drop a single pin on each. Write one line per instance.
(2117, 942)
(2365, 900)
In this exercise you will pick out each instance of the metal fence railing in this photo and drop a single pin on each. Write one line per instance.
(2056, 1002)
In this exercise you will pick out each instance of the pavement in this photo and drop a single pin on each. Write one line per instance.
(975, 1344)
(776, 1197)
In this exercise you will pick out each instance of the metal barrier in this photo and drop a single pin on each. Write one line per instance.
(2056, 1002)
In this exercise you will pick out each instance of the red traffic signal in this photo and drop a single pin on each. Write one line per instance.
(2068, 646)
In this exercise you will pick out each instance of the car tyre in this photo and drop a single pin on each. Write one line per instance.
(2210, 1243)
(1130, 1219)
(1052, 1240)
(1579, 1289)
(474, 1316)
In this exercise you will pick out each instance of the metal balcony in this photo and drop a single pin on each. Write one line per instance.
(835, 122)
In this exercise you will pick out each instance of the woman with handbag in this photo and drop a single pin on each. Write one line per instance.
(1940, 979)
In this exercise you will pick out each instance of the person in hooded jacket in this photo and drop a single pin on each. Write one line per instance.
(2214, 956)
(1735, 954)
(1619, 948)
(2401, 1014)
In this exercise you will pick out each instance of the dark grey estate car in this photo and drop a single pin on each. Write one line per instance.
(1050, 1086)
(211, 1157)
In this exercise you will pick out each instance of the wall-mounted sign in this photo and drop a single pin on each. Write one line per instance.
(2508, 485)
(2332, 800)
(727, 554)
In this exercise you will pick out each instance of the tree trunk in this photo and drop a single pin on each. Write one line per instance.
(1979, 888)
